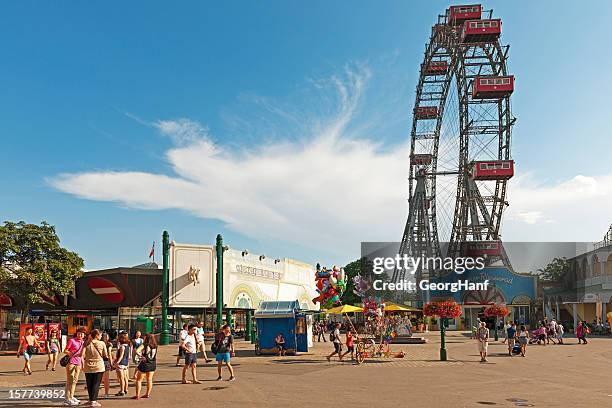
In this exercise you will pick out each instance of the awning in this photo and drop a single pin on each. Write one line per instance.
(392, 307)
(344, 309)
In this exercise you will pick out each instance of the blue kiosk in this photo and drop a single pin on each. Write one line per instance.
(284, 317)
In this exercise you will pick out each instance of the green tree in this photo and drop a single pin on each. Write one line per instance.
(554, 271)
(351, 270)
(364, 268)
(34, 264)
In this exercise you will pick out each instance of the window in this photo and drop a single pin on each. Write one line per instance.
(79, 321)
(520, 314)
(483, 166)
(493, 23)
(473, 25)
(506, 81)
(506, 166)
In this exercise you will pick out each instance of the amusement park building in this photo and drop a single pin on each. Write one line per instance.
(126, 297)
(585, 291)
(516, 291)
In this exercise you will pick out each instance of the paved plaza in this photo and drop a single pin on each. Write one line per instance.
(550, 376)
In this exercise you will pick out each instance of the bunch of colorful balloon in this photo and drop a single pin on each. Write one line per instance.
(373, 306)
(361, 286)
(390, 332)
(330, 285)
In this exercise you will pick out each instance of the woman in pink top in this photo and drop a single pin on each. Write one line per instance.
(74, 349)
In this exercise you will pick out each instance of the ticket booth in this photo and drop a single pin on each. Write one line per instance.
(282, 317)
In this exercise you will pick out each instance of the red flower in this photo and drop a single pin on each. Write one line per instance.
(496, 311)
(449, 309)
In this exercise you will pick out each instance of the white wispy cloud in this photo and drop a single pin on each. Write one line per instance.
(319, 182)
(327, 189)
(577, 209)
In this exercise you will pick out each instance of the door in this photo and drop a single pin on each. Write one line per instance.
(301, 333)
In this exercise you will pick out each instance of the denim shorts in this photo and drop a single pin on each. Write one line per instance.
(223, 357)
(191, 358)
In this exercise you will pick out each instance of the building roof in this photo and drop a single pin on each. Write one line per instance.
(271, 309)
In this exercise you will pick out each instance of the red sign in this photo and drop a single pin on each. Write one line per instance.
(56, 327)
(5, 300)
(40, 333)
(106, 289)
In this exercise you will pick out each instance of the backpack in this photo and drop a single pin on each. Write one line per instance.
(332, 336)
(215, 346)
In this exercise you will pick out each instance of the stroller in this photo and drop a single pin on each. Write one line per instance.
(538, 335)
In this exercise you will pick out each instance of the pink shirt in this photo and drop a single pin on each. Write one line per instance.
(73, 346)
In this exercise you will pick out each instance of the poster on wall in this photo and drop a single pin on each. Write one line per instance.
(56, 327)
(40, 333)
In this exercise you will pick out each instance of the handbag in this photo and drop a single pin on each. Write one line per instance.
(64, 361)
(32, 350)
(107, 366)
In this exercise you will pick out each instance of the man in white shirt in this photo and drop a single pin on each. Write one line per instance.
(335, 338)
(200, 340)
(182, 335)
(191, 355)
(505, 331)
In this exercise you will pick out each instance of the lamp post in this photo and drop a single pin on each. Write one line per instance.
(443, 339)
(496, 324)
(249, 325)
(165, 334)
(219, 250)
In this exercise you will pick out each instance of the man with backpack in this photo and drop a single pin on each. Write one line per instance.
(223, 347)
(334, 337)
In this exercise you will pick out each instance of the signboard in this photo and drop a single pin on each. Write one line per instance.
(105, 289)
(192, 276)
(5, 300)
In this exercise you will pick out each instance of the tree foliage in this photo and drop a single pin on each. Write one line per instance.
(34, 264)
(351, 270)
(364, 268)
(554, 271)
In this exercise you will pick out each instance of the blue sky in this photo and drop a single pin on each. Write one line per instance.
(296, 105)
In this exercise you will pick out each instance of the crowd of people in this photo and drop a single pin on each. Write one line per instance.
(94, 354)
(518, 336)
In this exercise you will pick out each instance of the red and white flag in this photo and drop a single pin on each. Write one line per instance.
(152, 253)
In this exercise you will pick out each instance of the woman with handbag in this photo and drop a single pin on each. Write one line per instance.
(73, 362)
(29, 345)
(53, 349)
(108, 363)
(94, 352)
(146, 366)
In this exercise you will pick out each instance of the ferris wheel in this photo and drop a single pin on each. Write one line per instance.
(460, 159)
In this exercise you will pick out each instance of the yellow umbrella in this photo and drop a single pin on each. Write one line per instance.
(392, 307)
(344, 309)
